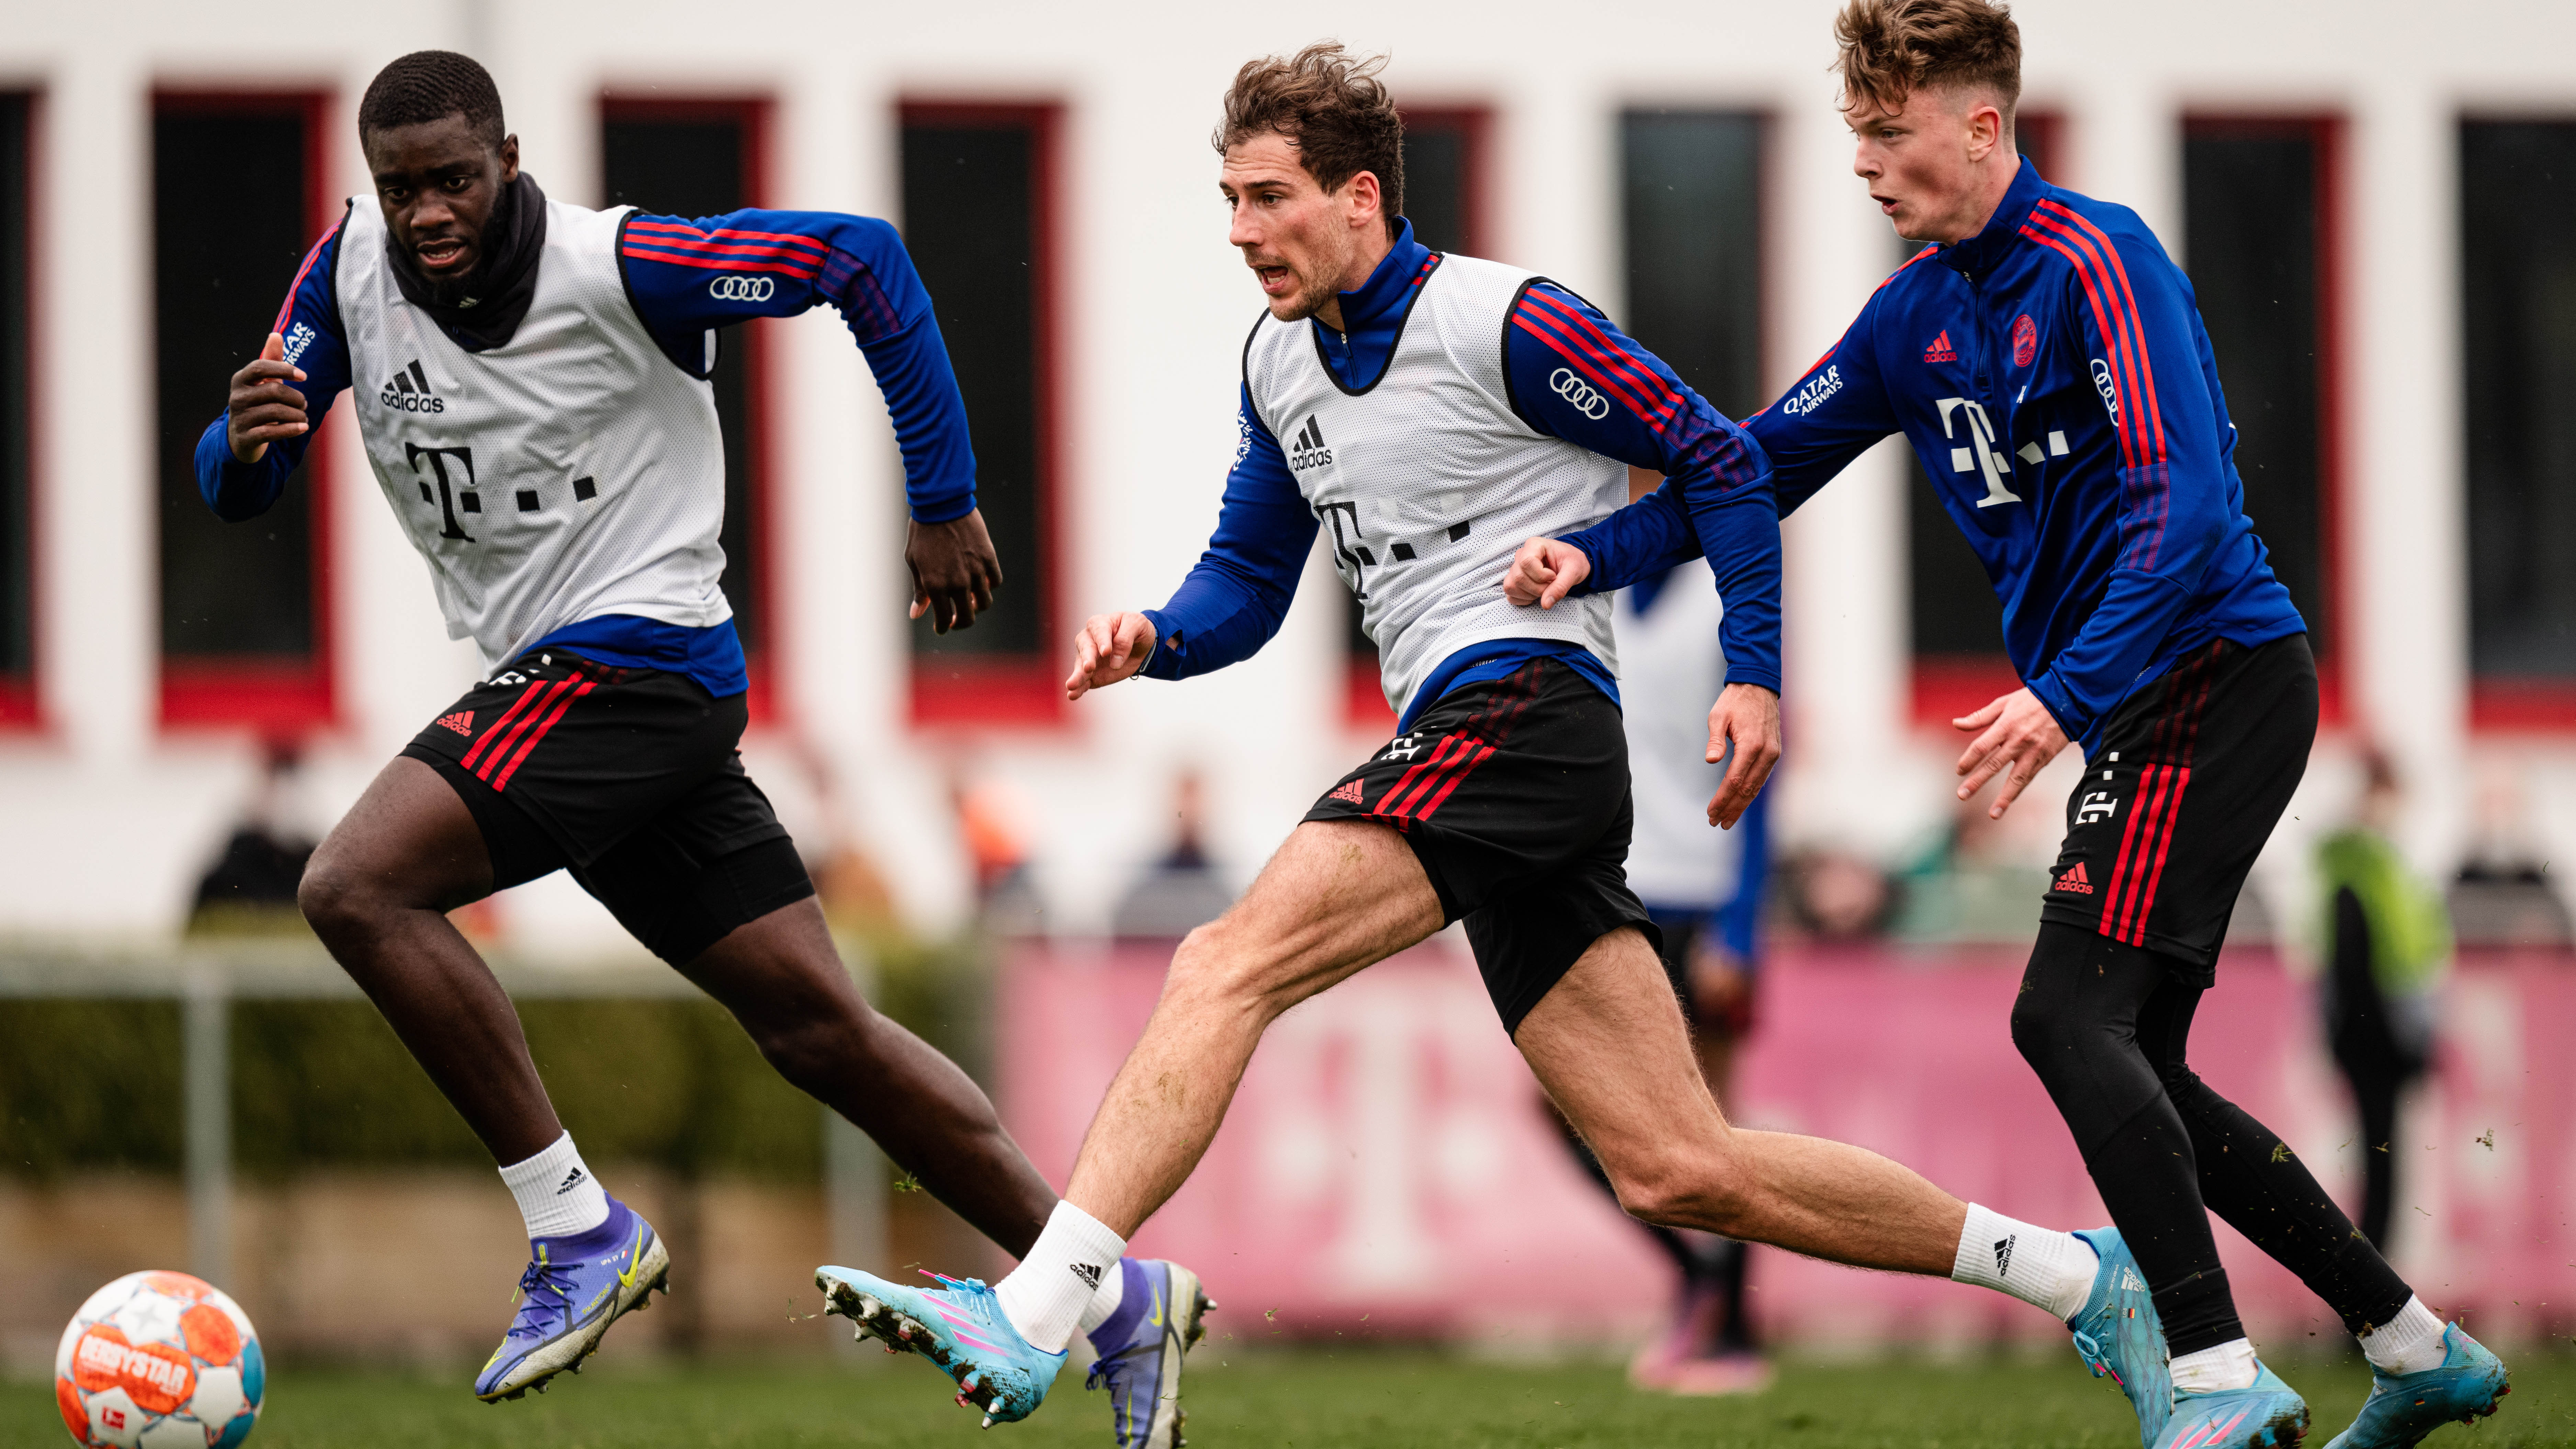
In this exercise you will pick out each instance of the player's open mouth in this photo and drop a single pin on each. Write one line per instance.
(1273, 279)
(444, 254)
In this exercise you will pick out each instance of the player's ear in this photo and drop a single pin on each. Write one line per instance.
(509, 159)
(1367, 201)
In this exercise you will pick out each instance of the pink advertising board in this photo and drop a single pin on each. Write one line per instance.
(1388, 1166)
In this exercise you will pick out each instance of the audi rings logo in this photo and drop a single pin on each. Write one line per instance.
(742, 289)
(1575, 390)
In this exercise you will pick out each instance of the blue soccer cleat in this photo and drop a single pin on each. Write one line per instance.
(2120, 1336)
(2267, 1415)
(1140, 1348)
(575, 1287)
(2403, 1408)
(959, 1326)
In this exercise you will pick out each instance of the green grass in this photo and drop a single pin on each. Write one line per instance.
(1306, 1399)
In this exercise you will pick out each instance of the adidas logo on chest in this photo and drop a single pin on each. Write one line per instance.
(1308, 450)
(408, 391)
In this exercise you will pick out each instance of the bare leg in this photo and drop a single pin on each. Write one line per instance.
(377, 892)
(782, 979)
(1338, 896)
(1609, 1046)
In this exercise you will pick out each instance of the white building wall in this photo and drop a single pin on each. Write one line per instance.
(112, 817)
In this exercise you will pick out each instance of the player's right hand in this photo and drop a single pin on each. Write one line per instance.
(1544, 571)
(1111, 647)
(263, 409)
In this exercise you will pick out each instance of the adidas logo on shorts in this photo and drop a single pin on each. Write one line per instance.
(2074, 882)
(1349, 792)
(462, 722)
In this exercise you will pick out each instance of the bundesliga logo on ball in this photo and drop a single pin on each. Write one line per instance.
(159, 1361)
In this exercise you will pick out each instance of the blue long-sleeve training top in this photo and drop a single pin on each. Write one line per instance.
(855, 264)
(1234, 600)
(2054, 377)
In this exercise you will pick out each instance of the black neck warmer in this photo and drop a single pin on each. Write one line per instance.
(482, 311)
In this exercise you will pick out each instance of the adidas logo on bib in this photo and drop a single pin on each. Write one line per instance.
(1308, 450)
(408, 391)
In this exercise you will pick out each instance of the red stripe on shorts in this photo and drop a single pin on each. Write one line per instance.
(493, 731)
(553, 692)
(503, 783)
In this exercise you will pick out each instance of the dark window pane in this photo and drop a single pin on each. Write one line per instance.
(1691, 204)
(1435, 181)
(697, 168)
(17, 593)
(227, 589)
(2250, 222)
(2518, 286)
(970, 209)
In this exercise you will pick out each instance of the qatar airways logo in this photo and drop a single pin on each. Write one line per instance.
(1812, 396)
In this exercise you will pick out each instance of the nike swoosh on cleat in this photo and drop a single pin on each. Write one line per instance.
(1155, 1320)
(634, 1260)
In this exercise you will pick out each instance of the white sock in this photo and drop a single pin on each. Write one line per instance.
(557, 1193)
(2039, 1266)
(1074, 1258)
(2410, 1343)
(2215, 1370)
(1113, 1291)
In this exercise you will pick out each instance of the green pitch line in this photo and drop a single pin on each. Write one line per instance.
(1298, 1399)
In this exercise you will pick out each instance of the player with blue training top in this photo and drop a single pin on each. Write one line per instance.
(1430, 411)
(530, 381)
(2047, 362)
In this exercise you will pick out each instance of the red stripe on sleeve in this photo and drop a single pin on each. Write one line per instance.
(652, 253)
(2111, 341)
(2154, 406)
(1647, 383)
(1610, 387)
(286, 308)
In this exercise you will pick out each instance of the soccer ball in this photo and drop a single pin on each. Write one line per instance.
(159, 1361)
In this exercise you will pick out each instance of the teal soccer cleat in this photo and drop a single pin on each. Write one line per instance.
(1158, 1319)
(2268, 1415)
(2120, 1336)
(2403, 1408)
(575, 1287)
(959, 1326)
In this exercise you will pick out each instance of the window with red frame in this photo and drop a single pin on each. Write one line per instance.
(979, 218)
(2259, 210)
(1444, 198)
(237, 200)
(694, 159)
(1956, 622)
(2518, 371)
(17, 503)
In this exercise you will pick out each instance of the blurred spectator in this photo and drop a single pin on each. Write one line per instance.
(2503, 896)
(853, 892)
(1181, 891)
(989, 821)
(1834, 895)
(1703, 887)
(251, 886)
(2388, 943)
(1965, 886)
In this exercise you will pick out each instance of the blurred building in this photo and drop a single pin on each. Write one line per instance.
(2370, 198)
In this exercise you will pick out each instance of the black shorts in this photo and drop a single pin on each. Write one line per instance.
(1683, 932)
(1514, 796)
(628, 778)
(2186, 785)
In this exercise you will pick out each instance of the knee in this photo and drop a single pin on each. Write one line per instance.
(2045, 1033)
(1216, 968)
(1685, 1192)
(333, 897)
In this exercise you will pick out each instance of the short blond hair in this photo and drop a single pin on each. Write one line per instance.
(1890, 49)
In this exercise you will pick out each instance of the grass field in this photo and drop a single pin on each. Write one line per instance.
(1286, 1400)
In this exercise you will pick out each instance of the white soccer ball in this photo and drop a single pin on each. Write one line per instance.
(159, 1360)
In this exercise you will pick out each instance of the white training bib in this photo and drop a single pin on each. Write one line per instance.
(572, 472)
(1427, 479)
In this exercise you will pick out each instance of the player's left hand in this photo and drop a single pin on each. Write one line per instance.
(1746, 717)
(954, 571)
(1544, 571)
(2019, 732)
(1111, 647)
